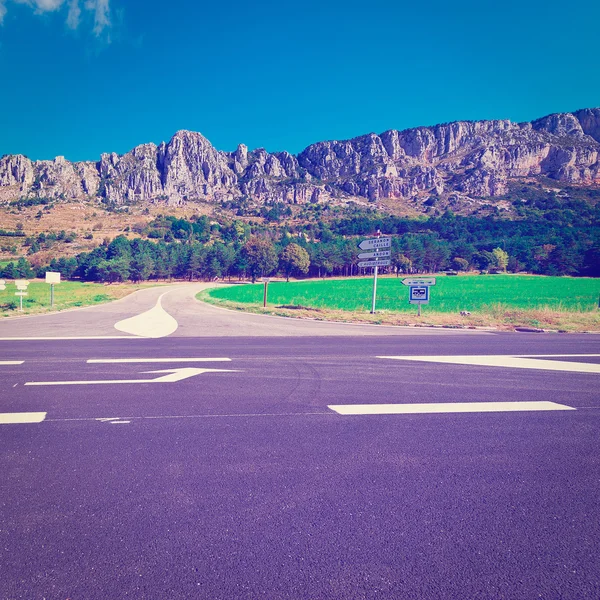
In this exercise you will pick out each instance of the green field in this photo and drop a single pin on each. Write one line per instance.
(449, 295)
(68, 294)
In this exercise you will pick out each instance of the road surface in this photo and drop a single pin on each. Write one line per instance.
(212, 454)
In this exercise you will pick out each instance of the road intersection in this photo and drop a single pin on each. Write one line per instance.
(262, 457)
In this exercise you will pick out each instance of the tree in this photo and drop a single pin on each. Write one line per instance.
(402, 263)
(460, 264)
(261, 257)
(500, 259)
(23, 268)
(294, 259)
(113, 270)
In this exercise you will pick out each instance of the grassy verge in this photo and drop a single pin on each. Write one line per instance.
(68, 294)
(500, 301)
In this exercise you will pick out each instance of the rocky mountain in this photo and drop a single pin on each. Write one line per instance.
(465, 160)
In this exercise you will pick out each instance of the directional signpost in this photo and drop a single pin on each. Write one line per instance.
(418, 290)
(379, 257)
(21, 291)
(2, 284)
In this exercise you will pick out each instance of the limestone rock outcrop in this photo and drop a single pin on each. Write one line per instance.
(464, 159)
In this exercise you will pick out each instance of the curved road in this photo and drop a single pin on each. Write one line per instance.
(193, 319)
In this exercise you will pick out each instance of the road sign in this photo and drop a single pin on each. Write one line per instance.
(2, 284)
(21, 284)
(267, 279)
(419, 295)
(419, 281)
(20, 293)
(374, 263)
(378, 254)
(375, 243)
(52, 277)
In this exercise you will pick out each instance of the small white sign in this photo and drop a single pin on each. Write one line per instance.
(21, 284)
(419, 295)
(420, 281)
(375, 243)
(265, 279)
(20, 293)
(2, 284)
(52, 277)
(374, 263)
(378, 254)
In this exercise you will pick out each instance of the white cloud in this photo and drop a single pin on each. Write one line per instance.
(74, 14)
(99, 8)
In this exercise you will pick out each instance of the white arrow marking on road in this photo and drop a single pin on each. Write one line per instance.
(155, 360)
(173, 376)
(153, 323)
(23, 417)
(441, 407)
(513, 362)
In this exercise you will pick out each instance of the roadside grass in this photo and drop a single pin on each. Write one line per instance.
(501, 301)
(68, 294)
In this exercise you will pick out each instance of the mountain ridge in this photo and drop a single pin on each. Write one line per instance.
(459, 162)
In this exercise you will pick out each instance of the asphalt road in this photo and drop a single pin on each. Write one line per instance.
(242, 481)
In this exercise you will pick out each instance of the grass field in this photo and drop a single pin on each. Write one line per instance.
(68, 294)
(497, 300)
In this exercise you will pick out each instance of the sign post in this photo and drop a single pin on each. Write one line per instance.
(21, 291)
(266, 282)
(380, 259)
(52, 278)
(418, 290)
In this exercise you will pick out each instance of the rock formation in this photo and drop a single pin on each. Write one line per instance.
(466, 159)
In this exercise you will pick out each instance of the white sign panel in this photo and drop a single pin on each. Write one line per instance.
(52, 277)
(2, 284)
(374, 263)
(419, 295)
(420, 281)
(21, 284)
(20, 293)
(378, 254)
(375, 243)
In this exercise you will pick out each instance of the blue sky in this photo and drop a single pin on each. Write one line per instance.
(82, 77)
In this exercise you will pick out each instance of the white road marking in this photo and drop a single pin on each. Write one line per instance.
(155, 360)
(119, 422)
(511, 361)
(105, 419)
(154, 323)
(173, 376)
(441, 407)
(23, 417)
(11, 362)
(70, 337)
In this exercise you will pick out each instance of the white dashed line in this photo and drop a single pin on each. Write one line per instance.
(512, 361)
(23, 417)
(441, 407)
(154, 360)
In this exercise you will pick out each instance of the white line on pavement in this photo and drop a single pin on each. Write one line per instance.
(70, 337)
(441, 407)
(155, 360)
(510, 361)
(23, 417)
(11, 362)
